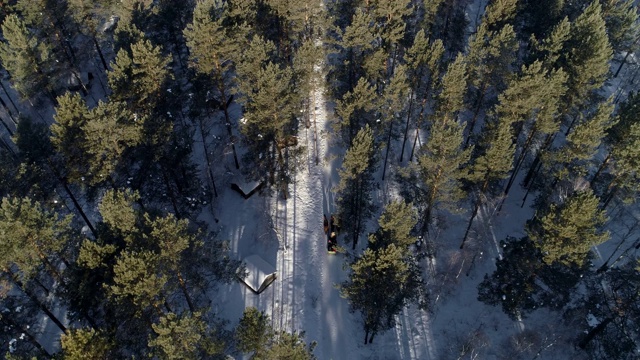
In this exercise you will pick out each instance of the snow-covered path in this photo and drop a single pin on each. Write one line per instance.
(305, 297)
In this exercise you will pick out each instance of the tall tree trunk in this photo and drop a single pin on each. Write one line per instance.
(206, 155)
(516, 168)
(600, 168)
(478, 202)
(386, 156)
(227, 120)
(531, 182)
(172, 196)
(476, 111)
(10, 99)
(10, 113)
(594, 332)
(77, 206)
(9, 321)
(183, 287)
(33, 298)
(406, 129)
(413, 148)
(99, 50)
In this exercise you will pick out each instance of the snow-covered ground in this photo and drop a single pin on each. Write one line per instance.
(289, 235)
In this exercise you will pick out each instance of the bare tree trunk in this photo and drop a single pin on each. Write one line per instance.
(99, 50)
(206, 155)
(413, 148)
(33, 298)
(600, 168)
(406, 129)
(10, 99)
(386, 157)
(9, 321)
(594, 332)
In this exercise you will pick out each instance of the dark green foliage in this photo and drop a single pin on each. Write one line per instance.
(380, 285)
(110, 131)
(81, 344)
(440, 169)
(139, 78)
(522, 282)
(541, 15)
(33, 238)
(31, 171)
(68, 135)
(183, 336)
(25, 58)
(513, 283)
(566, 233)
(290, 346)
(355, 110)
(575, 158)
(396, 224)
(254, 333)
(354, 201)
(611, 299)
(621, 18)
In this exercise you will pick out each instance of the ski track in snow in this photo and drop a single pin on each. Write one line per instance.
(305, 296)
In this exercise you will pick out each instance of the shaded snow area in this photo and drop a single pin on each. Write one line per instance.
(289, 235)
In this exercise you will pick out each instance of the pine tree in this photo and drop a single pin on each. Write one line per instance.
(136, 283)
(513, 284)
(290, 346)
(67, 134)
(118, 212)
(575, 157)
(532, 100)
(182, 337)
(621, 18)
(354, 44)
(585, 57)
(491, 56)
(431, 8)
(616, 308)
(355, 110)
(493, 165)
(396, 223)
(110, 131)
(81, 344)
(50, 24)
(254, 332)
(621, 159)
(269, 125)
(440, 169)
(25, 58)
(172, 238)
(212, 49)
(140, 77)
(379, 286)
(454, 84)
(566, 233)
(423, 59)
(551, 47)
(391, 17)
(540, 16)
(295, 20)
(393, 107)
(33, 237)
(354, 200)
(88, 16)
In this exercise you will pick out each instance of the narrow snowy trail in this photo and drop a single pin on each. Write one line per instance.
(305, 297)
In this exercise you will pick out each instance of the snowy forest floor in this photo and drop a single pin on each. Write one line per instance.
(289, 235)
